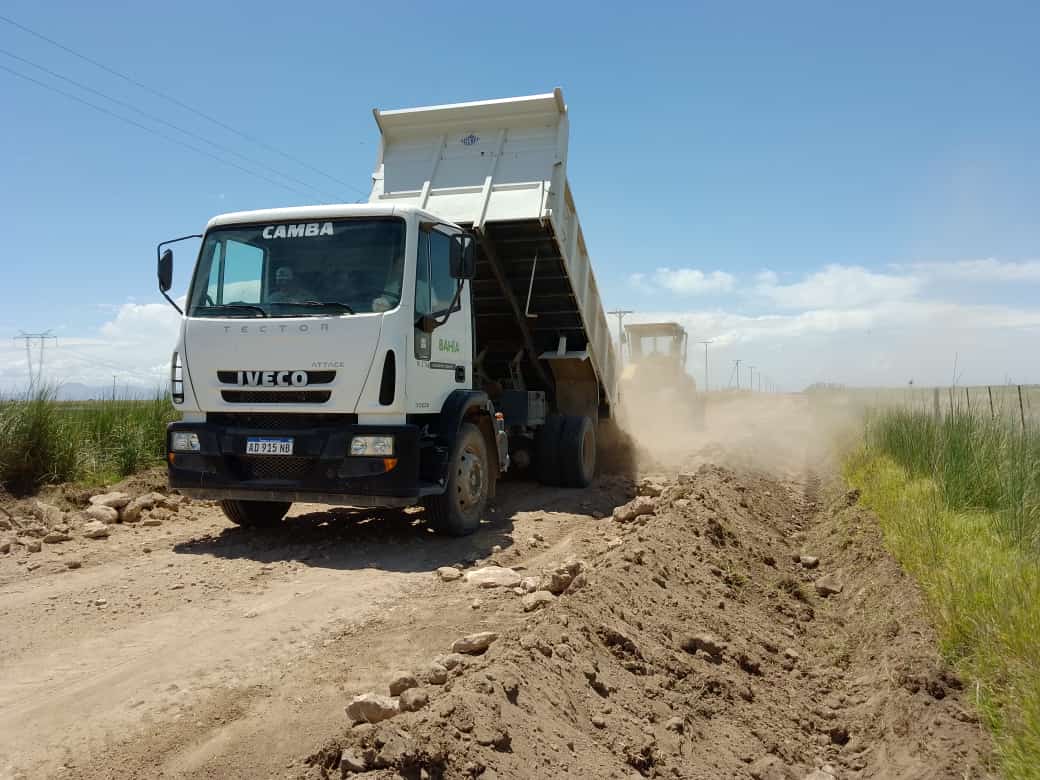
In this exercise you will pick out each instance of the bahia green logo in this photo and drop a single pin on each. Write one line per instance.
(447, 345)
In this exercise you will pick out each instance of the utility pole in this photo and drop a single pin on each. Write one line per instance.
(751, 378)
(28, 338)
(621, 333)
(737, 364)
(705, 343)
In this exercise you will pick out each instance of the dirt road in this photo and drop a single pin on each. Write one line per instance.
(192, 648)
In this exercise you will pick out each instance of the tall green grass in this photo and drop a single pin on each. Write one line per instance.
(44, 440)
(958, 497)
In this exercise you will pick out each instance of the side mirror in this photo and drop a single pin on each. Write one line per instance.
(166, 270)
(462, 260)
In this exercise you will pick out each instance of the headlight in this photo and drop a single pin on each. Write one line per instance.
(181, 441)
(372, 445)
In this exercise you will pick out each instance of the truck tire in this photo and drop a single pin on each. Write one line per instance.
(457, 511)
(547, 456)
(255, 514)
(578, 451)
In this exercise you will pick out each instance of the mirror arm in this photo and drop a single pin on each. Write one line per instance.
(438, 318)
(173, 303)
(158, 255)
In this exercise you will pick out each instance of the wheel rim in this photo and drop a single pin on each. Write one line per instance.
(470, 481)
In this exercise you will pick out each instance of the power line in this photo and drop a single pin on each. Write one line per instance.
(152, 130)
(96, 361)
(42, 338)
(620, 333)
(706, 343)
(162, 121)
(181, 104)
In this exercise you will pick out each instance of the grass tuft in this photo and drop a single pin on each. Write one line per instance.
(44, 440)
(958, 498)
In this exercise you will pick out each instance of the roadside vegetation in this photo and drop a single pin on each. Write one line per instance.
(44, 440)
(958, 497)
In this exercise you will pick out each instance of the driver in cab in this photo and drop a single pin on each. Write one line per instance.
(288, 289)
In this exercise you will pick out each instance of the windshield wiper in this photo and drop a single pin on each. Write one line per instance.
(339, 305)
(240, 306)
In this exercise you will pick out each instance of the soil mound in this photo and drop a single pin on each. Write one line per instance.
(739, 629)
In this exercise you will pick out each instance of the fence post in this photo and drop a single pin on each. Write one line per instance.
(935, 402)
(967, 399)
(989, 390)
(1021, 408)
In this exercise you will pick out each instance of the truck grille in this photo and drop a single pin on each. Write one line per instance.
(280, 421)
(274, 467)
(276, 396)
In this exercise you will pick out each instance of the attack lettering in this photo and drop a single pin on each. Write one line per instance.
(305, 230)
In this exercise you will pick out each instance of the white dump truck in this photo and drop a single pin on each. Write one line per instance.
(404, 351)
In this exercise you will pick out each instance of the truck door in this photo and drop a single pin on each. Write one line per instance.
(444, 358)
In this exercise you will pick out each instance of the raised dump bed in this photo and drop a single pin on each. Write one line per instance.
(500, 167)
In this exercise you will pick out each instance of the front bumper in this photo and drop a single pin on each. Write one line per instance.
(319, 470)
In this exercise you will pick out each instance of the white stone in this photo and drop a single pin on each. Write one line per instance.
(114, 500)
(372, 708)
(102, 513)
(96, 529)
(493, 577)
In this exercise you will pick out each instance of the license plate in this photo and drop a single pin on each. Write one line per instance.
(268, 446)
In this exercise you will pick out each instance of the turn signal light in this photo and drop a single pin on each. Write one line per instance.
(389, 463)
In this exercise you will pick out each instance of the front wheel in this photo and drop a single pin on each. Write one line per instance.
(255, 514)
(457, 511)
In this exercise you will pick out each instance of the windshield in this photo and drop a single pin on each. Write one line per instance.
(330, 267)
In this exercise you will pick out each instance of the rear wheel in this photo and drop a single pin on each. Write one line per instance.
(255, 514)
(547, 458)
(578, 451)
(458, 510)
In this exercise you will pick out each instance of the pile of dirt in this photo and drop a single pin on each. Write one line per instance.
(723, 626)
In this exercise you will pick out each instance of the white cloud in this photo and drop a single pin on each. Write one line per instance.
(685, 281)
(836, 287)
(986, 270)
(134, 347)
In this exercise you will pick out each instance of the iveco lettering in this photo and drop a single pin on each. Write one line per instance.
(404, 351)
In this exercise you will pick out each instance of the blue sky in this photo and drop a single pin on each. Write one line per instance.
(838, 191)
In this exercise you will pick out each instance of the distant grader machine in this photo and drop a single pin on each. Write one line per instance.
(655, 374)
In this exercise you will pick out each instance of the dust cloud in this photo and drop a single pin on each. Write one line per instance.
(782, 434)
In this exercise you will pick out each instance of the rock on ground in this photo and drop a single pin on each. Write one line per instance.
(434, 674)
(114, 500)
(768, 768)
(641, 505)
(493, 577)
(559, 579)
(96, 529)
(828, 585)
(372, 708)
(414, 699)
(131, 513)
(401, 682)
(448, 573)
(537, 600)
(474, 644)
(102, 513)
